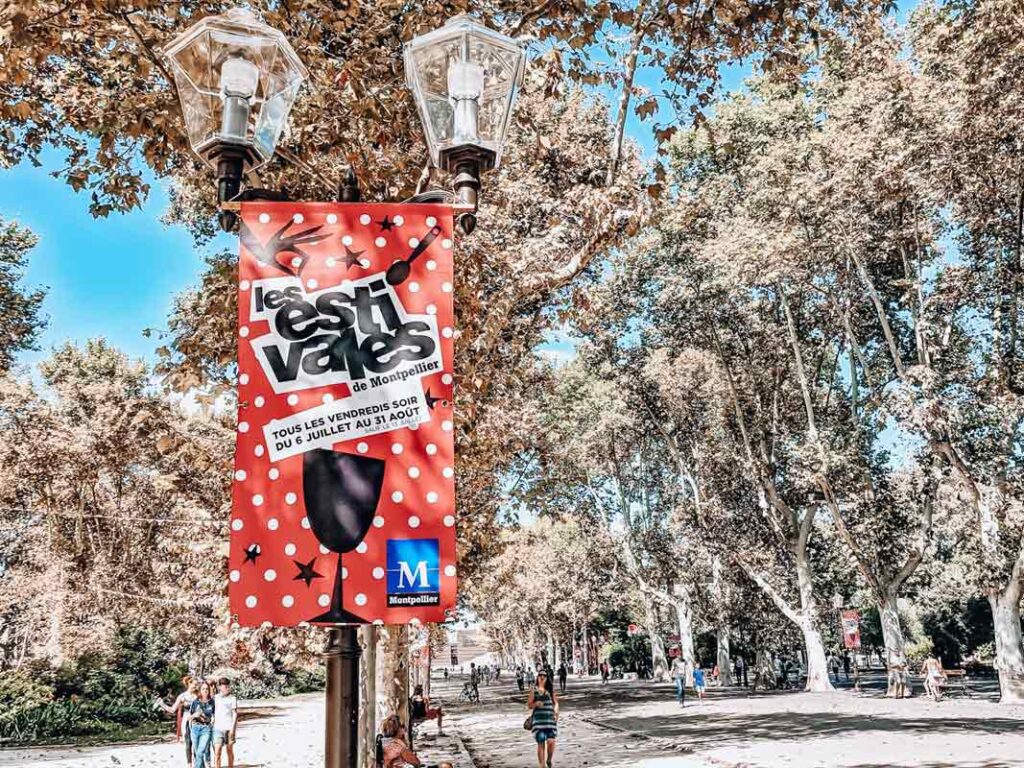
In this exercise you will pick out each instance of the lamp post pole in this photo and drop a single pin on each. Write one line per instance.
(341, 739)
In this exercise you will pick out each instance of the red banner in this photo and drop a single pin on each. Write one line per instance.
(343, 505)
(851, 629)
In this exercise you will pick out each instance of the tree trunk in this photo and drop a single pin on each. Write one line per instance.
(1009, 652)
(628, 76)
(659, 661)
(367, 696)
(586, 650)
(817, 666)
(892, 630)
(684, 614)
(393, 666)
(724, 657)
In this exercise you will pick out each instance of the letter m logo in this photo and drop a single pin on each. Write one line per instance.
(413, 566)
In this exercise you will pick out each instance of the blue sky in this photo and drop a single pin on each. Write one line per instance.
(116, 277)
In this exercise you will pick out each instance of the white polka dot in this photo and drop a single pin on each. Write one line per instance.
(365, 218)
(414, 522)
(431, 265)
(449, 570)
(413, 242)
(414, 472)
(270, 574)
(272, 524)
(346, 240)
(250, 601)
(364, 263)
(431, 309)
(243, 379)
(259, 450)
(274, 473)
(414, 287)
(397, 496)
(432, 497)
(414, 427)
(312, 284)
(431, 449)
(237, 524)
(257, 500)
(446, 378)
(328, 398)
(324, 600)
(264, 218)
(298, 218)
(293, 399)
(378, 522)
(399, 220)
(289, 498)
(360, 599)
(448, 521)
(378, 573)
(259, 402)
(243, 331)
(380, 242)
(244, 285)
(240, 475)
(324, 550)
(361, 548)
(448, 472)
(331, 262)
(234, 576)
(446, 287)
(431, 221)
(446, 244)
(305, 523)
(397, 448)
(447, 332)
(289, 549)
(287, 601)
(243, 426)
(362, 447)
(446, 426)
(344, 573)
(332, 218)
(297, 262)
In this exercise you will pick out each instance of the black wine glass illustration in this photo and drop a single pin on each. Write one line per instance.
(341, 493)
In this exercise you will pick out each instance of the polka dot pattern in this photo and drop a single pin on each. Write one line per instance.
(417, 499)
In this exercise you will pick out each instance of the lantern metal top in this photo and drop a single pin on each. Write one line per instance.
(464, 77)
(228, 57)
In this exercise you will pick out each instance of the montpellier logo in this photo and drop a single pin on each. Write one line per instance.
(414, 574)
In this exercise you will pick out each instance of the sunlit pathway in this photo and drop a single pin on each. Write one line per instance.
(841, 730)
(493, 733)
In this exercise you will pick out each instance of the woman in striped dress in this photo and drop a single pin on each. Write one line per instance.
(544, 705)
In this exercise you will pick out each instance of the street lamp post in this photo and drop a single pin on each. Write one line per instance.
(237, 80)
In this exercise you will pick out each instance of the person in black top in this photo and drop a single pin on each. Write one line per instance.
(201, 722)
(563, 675)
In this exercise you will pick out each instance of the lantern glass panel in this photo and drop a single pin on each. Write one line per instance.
(214, 116)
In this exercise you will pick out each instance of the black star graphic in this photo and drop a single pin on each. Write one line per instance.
(351, 258)
(306, 572)
(385, 224)
(252, 553)
(432, 401)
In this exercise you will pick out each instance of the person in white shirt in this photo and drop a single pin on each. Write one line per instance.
(225, 722)
(180, 708)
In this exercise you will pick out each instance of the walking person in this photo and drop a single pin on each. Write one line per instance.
(225, 722)
(201, 711)
(932, 671)
(180, 708)
(741, 671)
(563, 676)
(833, 668)
(699, 683)
(678, 671)
(543, 705)
(520, 679)
(846, 665)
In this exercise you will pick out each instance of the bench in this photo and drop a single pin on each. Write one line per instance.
(956, 678)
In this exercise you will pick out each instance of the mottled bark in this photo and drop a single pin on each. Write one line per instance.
(1009, 650)
(724, 657)
(367, 696)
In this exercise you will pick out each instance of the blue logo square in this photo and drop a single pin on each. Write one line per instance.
(414, 566)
